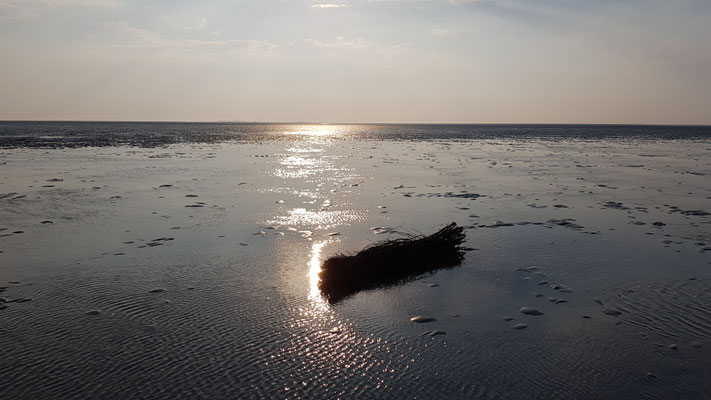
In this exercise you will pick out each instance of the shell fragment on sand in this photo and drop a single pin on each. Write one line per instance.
(530, 311)
(556, 300)
(420, 319)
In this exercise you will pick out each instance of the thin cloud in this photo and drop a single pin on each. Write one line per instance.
(358, 46)
(198, 25)
(441, 32)
(59, 3)
(122, 34)
(24, 9)
(13, 10)
(329, 5)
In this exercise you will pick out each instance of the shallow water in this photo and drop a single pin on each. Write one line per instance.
(240, 315)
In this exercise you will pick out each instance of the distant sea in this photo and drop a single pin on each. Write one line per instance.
(41, 134)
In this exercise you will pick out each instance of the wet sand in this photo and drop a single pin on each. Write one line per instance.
(190, 270)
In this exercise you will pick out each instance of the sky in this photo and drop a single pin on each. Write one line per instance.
(445, 61)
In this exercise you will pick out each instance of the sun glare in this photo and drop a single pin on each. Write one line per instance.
(317, 131)
(314, 269)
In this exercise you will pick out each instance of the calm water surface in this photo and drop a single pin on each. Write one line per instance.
(182, 260)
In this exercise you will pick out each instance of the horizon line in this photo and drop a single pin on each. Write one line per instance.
(237, 122)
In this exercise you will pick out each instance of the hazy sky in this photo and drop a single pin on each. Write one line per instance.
(585, 61)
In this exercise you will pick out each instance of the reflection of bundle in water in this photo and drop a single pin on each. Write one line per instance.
(391, 261)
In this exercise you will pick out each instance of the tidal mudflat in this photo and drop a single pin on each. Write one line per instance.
(190, 270)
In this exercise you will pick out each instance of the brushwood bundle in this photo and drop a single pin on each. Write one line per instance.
(390, 262)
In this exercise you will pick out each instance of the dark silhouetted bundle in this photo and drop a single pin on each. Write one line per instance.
(391, 261)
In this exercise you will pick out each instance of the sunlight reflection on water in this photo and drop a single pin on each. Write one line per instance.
(321, 219)
(306, 163)
(323, 339)
(318, 131)
(305, 158)
(318, 302)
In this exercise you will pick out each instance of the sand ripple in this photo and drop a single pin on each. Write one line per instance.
(676, 309)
